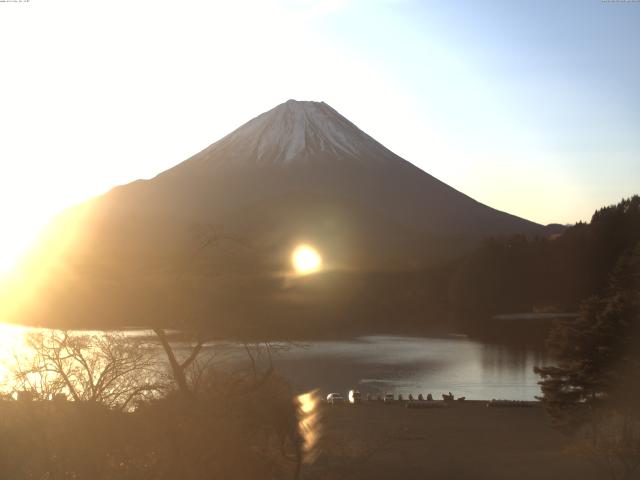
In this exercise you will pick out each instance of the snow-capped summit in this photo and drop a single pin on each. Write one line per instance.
(300, 173)
(295, 131)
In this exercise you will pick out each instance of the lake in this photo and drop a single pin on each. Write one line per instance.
(409, 364)
(382, 364)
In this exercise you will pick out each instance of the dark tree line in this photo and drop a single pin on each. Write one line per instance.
(592, 391)
(519, 274)
(511, 274)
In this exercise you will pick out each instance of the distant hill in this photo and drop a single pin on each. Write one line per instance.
(209, 240)
(514, 274)
(555, 229)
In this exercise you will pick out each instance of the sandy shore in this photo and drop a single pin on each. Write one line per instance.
(465, 441)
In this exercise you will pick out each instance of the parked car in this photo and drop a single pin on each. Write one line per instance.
(389, 398)
(335, 399)
(355, 397)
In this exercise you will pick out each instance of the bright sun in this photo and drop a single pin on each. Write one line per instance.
(306, 259)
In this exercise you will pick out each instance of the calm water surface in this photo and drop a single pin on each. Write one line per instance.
(381, 364)
(396, 364)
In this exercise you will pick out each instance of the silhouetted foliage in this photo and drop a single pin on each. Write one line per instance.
(179, 368)
(518, 274)
(112, 369)
(592, 391)
(233, 428)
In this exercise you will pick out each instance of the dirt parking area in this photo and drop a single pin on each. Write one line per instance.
(465, 441)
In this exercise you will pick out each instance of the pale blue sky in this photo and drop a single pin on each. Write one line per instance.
(546, 87)
(532, 107)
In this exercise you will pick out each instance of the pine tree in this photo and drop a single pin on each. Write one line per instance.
(593, 391)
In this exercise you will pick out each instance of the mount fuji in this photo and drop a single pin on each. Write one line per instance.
(209, 240)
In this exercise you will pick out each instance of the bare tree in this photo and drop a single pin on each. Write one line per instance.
(108, 368)
(207, 236)
(179, 368)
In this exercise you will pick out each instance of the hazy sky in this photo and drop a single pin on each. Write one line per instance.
(532, 107)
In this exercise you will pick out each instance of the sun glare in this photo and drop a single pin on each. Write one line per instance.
(12, 345)
(14, 246)
(306, 260)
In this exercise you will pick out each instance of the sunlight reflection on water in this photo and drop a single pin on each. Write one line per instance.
(309, 424)
(375, 364)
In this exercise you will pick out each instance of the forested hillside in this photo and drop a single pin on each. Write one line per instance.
(519, 274)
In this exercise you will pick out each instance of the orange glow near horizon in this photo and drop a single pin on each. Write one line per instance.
(32, 265)
(306, 260)
(14, 245)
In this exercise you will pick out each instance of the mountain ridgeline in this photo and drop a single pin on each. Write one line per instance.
(207, 244)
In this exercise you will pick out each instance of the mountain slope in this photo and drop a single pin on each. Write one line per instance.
(307, 149)
(212, 236)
